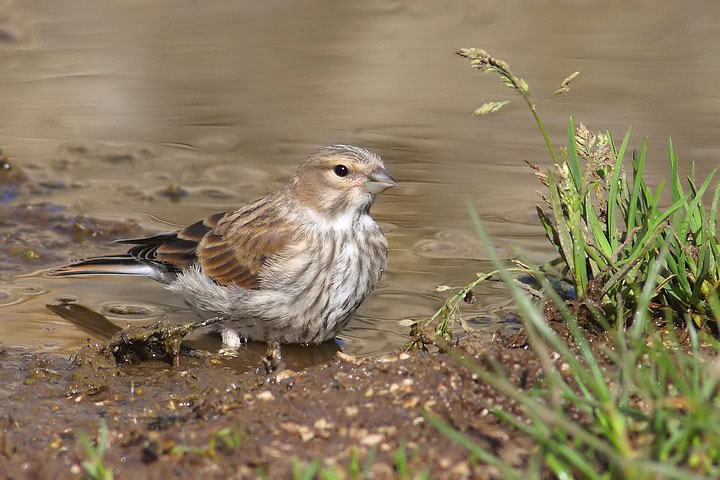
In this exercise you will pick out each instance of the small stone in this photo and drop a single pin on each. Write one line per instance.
(351, 411)
(303, 431)
(388, 359)
(346, 358)
(323, 427)
(411, 403)
(461, 470)
(284, 375)
(323, 424)
(371, 440)
(265, 396)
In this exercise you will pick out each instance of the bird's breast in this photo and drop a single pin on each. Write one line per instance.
(308, 292)
(321, 281)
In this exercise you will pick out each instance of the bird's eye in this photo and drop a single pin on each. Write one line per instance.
(341, 170)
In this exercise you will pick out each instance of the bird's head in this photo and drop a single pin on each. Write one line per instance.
(340, 179)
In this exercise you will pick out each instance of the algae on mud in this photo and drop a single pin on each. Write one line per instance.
(36, 235)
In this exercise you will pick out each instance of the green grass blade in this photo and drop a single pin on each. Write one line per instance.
(675, 187)
(690, 220)
(664, 216)
(656, 201)
(563, 233)
(703, 275)
(637, 256)
(637, 181)
(557, 454)
(549, 229)
(486, 457)
(613, 195)
(579, 250)
(641, 313)
(713, 210)
(596, 230)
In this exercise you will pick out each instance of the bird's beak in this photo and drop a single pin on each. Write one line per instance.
(379, 181)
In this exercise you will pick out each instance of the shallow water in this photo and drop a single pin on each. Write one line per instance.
(107, 106)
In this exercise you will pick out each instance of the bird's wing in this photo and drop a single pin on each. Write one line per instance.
(231, 247)
(175, 250)
(237, 250)
(181, 250)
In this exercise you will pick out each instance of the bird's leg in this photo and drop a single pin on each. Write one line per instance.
(209, 321)
(184, 330)
(273, 361)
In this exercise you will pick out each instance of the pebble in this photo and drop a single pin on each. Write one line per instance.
(284, 375)
(346, 358)
(265, 396)
(371, 440)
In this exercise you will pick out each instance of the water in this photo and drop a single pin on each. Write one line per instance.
(116, 102)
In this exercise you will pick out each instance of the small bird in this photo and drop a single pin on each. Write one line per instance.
(291, 267)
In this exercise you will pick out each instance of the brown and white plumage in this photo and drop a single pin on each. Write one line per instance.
(291, 267)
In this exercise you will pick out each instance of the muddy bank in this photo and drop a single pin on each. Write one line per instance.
(175, 422)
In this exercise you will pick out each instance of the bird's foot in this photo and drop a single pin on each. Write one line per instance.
(273, 362)
(231, 339)
(228, 352)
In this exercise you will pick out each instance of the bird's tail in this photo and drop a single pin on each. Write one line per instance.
(112, 265)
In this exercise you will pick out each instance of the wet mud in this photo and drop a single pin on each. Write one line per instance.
(203, 419)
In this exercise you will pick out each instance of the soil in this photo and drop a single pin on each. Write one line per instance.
(164, 419)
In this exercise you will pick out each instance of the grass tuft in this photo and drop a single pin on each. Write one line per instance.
(644, 403)
(609, 228)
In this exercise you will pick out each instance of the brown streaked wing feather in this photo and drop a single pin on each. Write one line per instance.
(180, 251)
(235, 254)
